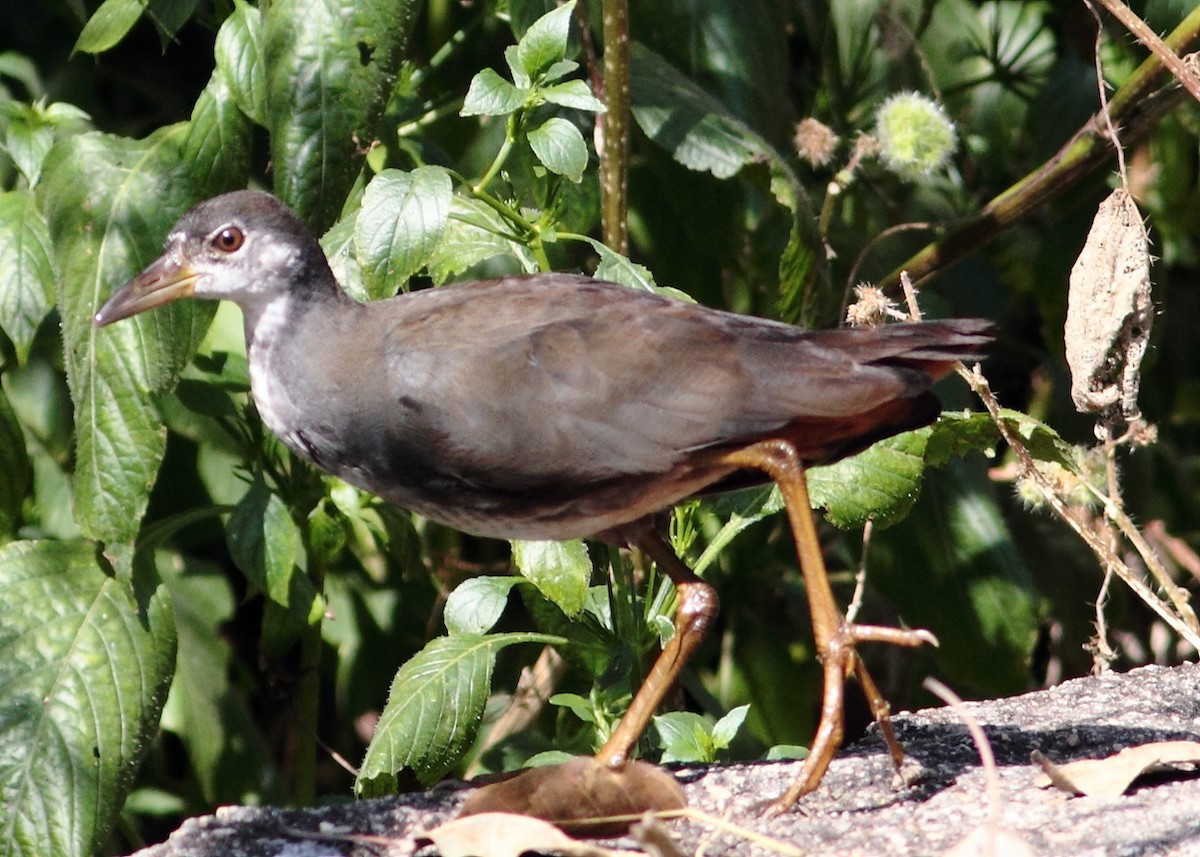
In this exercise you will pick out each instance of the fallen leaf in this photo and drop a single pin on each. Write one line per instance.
(582, 796)
(1111, 776)
(501, 834)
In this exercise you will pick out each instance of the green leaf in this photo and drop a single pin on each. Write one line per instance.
(727, 727)
(695, 128)
(576, 704)
(798, 265)
(560, 147)
(573, 93)
(109, 201)
(169, 16)
(39, 396)
(24, 70)
(560, 571)
(520, 78)
(15, 469)
(29, 291)
(475, 234)
(616, 268)
(522, 14)
(739, 510)
(956, 434)
(879, 484)
(330, 66)
(265, 544)
(338, 244)
(547, 758)
(239, 57)
(31, 131)
(545, 42)
(85, 672)
(434, 709)
(685, 737)
(27, 144)
(476, 605)
(62, 115)
(402, 219)
(108, 25)
(556, 71)
(217, 144)
(786, 753)
(491, 95)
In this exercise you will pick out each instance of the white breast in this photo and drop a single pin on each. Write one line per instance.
(273, 402)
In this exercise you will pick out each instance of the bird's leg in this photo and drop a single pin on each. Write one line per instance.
(697, 607)
(835, 637)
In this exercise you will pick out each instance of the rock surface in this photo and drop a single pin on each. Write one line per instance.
(857, 810)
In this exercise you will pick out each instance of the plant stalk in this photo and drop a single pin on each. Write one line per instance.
(614, 127)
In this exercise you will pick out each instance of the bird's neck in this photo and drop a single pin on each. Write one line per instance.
(266, 333)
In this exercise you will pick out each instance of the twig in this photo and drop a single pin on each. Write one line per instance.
(860, 576)
(1103, 654)
(1183, 623)
(1157, 46)
(1179, 551)
(1100, 86)
(987, 758)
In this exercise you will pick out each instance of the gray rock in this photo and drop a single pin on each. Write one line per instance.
(858, 810)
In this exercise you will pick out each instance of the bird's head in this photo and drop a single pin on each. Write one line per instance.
(244, 246)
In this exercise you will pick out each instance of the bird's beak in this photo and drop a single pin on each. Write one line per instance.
(166, 280)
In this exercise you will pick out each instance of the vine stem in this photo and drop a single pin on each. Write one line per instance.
(510, 136)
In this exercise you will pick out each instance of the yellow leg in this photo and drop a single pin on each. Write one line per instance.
(834, 636)
(697, 608)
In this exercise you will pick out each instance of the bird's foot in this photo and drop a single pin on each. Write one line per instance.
(840, 660)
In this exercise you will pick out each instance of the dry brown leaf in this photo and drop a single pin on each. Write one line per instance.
(1111, 776)
(499, 834)
(1109, 310)
(581, 796)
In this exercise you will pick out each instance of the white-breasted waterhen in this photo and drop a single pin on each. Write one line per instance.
(553, 406)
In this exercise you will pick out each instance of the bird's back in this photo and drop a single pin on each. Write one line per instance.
(555, 406)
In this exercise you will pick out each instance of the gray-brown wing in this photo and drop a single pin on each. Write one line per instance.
(520, 384)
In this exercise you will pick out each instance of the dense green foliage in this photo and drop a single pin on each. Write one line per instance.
(191, 617)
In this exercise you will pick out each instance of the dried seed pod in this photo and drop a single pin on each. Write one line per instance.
(1109, 311)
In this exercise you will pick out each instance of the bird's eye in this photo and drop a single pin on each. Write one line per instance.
(229, 239)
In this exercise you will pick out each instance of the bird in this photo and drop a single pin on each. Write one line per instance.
(554, 406)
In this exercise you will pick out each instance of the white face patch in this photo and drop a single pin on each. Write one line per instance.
(277, 256)
(227, 275)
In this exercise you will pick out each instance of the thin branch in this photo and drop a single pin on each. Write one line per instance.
(1183, 623)
(1156, 46)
